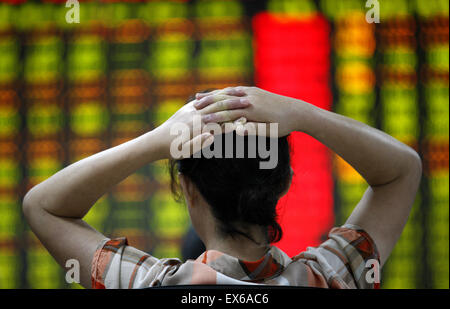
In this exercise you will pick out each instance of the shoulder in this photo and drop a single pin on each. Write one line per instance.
(343, 260)
(118, 265)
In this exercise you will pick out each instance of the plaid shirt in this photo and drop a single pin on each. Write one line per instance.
(339, 262)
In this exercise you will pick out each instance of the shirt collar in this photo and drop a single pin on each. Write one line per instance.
(270, 265)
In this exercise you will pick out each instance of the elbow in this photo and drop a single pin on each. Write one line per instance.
(413, 165)
(27, 205)
(30, 203)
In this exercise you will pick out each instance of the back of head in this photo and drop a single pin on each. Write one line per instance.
(238, 190)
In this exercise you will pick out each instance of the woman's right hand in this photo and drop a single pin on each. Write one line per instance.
(259, 106)
(178, 131)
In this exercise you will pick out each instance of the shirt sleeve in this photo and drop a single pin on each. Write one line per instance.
(116, 265)
(349, 258)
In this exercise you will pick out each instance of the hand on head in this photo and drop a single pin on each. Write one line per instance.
(251, 104)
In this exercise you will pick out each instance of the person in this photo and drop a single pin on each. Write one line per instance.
(231, 201)
(191, 245)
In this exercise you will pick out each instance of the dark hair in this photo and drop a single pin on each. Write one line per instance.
(237, 189)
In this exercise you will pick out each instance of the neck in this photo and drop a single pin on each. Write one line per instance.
(240, 246)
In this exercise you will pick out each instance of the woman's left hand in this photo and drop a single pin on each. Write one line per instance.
(255, 105)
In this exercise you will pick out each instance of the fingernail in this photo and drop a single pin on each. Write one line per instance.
(241, 120)
(245, 101)
(208, 136)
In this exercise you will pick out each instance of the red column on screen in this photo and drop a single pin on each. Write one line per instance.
(292, 58)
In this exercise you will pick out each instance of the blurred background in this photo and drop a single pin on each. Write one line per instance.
(69, 90)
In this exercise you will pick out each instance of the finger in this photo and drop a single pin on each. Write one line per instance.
(248, 128)
(204, 94)
(229, 127)
(198, 143)
(207, 140)
(241, 120)
(225, 104)
(200, 95)
(256, 128)
(224, 116)
(205, 101)
(233, 91)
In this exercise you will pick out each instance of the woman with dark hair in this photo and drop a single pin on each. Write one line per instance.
(232, 200)
(239, 192)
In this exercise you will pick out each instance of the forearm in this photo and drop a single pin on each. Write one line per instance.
(72, 191)
(378, 157)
